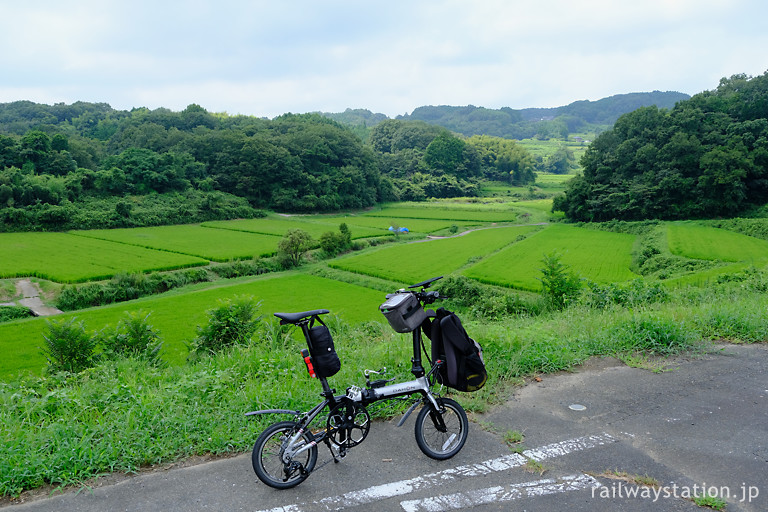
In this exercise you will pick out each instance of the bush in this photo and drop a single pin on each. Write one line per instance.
(8, 313)
(231, 323)
(560, 285)
(291, 248)
(483, 300)
(125, 286)
(133, 337)
(68, 348)
(241, 268)
(333, 243)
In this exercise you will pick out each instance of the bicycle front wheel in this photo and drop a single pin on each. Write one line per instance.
(267, 457)
(441, 435)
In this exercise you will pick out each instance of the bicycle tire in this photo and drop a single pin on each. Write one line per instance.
(267, 461)
(442, 445)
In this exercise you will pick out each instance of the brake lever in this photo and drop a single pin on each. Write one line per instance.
(368, 373)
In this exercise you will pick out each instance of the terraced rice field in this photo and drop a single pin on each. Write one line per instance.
(457, 212)
(383, 223)
(193, 239)
(695, 241)
(600, 256)
(414, 262)
(278, 226)
(66, 258)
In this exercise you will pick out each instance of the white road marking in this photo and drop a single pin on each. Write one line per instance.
(462, 500)
(402, 487)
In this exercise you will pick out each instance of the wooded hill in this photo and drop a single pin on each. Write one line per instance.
(707, 157)
(524, 123)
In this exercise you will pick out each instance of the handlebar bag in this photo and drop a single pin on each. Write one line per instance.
(324, 357)
(403, 311)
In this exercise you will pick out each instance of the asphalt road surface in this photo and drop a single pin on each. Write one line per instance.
(590, 436)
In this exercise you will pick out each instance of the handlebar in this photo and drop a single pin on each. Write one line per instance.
(429, 297)
(426, 297)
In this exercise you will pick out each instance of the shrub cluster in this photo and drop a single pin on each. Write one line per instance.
(70, 348)
(8, 313)
(560, 285)
(240, 268)
(133, 337)
(127, 286)
(333, 243)
(232, 322)
(484, 300)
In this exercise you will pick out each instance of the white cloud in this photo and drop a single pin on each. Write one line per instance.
(266, 58)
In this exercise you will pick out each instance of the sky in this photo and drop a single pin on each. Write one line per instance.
(266, 58)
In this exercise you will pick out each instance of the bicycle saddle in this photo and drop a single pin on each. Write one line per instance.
(293, 318)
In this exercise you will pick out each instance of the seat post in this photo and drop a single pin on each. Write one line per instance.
(416, 368)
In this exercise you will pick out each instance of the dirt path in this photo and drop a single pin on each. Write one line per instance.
(31, 300)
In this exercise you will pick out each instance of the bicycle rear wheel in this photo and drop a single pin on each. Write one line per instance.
(267, 457)
(442, 435)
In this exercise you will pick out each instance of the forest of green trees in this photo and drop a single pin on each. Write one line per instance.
(706, 157)
(87, 165)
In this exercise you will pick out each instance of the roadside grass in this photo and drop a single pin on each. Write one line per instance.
(599, 256)
(410, 263)
(696, 241)
(120, 416)
(66, 258)
(193, 239)
(177, 314)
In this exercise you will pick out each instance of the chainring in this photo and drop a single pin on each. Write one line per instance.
(348, 424)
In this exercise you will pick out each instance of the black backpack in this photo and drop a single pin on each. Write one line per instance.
(463, 368)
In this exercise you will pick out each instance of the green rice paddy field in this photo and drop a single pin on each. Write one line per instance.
(205, 242)
(454, 212)
(508, 256)
(413, 262)
(66, 258)
(278, 226)
(176, 315)
(706, 243)
(600, 256)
